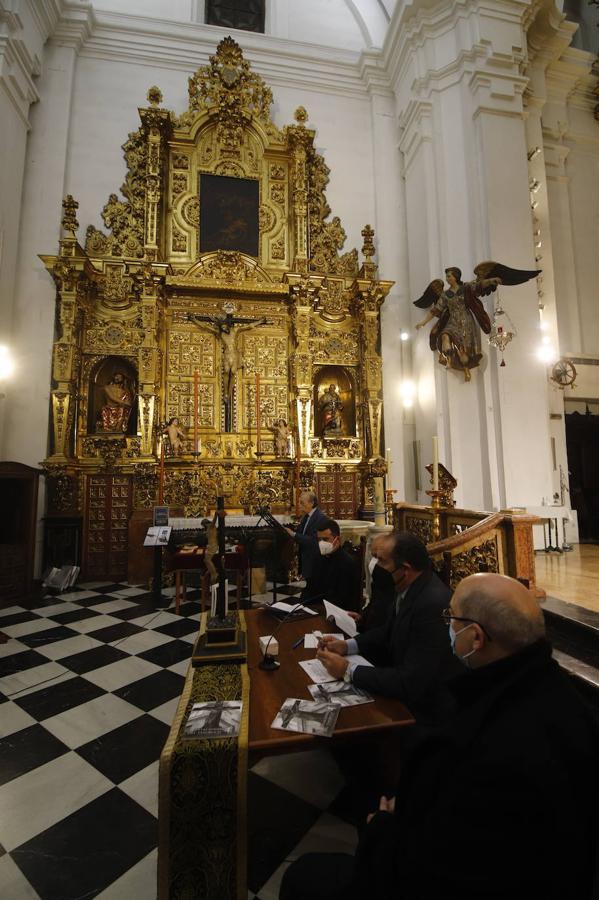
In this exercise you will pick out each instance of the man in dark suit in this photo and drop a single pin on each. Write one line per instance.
(499, 803)
(306, 536)
(411, 656)
(335, 577)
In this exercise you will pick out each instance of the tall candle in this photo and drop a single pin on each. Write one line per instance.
(297, 474)
(257, 412)
(161, 486)
(196, 410)
(435, 463)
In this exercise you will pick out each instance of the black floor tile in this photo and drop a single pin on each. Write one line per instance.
(134, 612)
(127, 749)
(190, 608)
(272, 833)
(53, 700)
(2, 850)
(96, 599)
(179, 628)
(26, 750)
(89, 660)
(49, 636)
(168, 654)
(153, 691)
(75, 615)
(19, 662)
(17, 618)
(115, 632)
(108, 588)
(101, 842)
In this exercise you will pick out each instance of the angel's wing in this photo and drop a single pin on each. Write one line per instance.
(509, 276)
(431, 294)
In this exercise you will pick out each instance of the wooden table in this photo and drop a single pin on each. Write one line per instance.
(268, 691)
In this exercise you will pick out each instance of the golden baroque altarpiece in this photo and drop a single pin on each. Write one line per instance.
(141, 307)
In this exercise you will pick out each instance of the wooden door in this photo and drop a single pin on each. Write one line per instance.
(337, 492)
(108, 508)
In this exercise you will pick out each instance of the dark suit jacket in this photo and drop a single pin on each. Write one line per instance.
(411, 653)
(499, 804)
(335, 578)
(309, 553)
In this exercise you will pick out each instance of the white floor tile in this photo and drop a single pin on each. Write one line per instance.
(89, 720)
(13, 718)
(180, 668)
(154, 619)
(13, 884)
(56, 609)
(116, 675)
(11, 611)
(166, 711)
(131, 592)
(144, 640)
(137, 883)
(111, 605)
(80, 594)
(189, 638)
(51, 682)
(93, 623)
(12, 646)
(31, 627)
(70, 646)
(12, 684)
(143, 788)
(39, 799)
(312, 775)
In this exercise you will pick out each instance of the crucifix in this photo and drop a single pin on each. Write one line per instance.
(227, 328)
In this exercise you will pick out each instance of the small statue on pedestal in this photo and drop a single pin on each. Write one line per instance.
(282, 433)
(175, 435)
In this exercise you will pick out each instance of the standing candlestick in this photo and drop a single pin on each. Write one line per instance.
(435, 463)
(161, 483)
(257, 413)
(196, 411)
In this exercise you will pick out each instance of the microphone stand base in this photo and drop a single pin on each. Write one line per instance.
(269, 664)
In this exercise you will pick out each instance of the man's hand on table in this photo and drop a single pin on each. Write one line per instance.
(328, 642)
(333, 662)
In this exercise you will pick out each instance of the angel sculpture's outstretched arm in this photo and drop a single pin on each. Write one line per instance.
(490, 274)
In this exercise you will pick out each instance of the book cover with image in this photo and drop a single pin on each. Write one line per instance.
(214, 719)
(307, 717)
(339, 693)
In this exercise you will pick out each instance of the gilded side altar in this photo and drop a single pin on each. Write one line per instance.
(222, 214)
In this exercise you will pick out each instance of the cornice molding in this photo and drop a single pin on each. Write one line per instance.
(76, 25)
(186, 46)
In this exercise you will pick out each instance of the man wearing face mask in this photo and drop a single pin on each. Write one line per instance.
(410, 653)
(498, 804)
(335, 577)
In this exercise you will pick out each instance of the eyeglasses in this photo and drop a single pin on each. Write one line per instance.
(447, 616)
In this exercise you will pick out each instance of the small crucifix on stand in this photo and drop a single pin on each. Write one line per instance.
(227, 329)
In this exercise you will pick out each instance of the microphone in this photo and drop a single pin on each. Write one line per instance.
(269, 663)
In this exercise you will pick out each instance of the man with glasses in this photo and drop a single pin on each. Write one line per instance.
(498, 804)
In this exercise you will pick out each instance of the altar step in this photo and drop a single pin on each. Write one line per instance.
(574, 634)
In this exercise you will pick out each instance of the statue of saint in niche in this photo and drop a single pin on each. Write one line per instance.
(282, 433)
(117, 402)
(330, 407)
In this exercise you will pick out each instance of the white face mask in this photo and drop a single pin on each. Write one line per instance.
(325, 548)
(453, 635)
(372, 564)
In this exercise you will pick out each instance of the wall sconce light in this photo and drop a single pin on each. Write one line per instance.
(403, 335)
(407, 392)
(7, 365)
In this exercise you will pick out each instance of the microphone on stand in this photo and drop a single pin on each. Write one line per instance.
(269, 663)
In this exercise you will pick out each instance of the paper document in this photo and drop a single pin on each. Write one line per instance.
(311, 640)
(340, 693)
(342, 619)
(319, 675)
(157, 536)
(307, 716)
(292, 607)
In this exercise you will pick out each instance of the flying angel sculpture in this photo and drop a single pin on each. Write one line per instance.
(459, 311)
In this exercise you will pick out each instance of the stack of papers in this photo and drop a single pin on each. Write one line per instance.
(319, 675)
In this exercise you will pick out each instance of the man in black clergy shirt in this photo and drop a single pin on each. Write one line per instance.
(411, 656)
(335, 577)
(501, 802)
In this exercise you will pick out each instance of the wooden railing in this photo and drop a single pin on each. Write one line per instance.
(471, 541)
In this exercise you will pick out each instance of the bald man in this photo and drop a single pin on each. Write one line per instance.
(501, 803)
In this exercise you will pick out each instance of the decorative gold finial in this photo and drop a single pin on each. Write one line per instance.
(154, 96)
(69, 221)
(300, 115)
(368, 250)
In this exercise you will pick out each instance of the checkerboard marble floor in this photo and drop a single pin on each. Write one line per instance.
(89, 683)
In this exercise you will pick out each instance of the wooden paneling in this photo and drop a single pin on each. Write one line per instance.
(108, 507)
(337, 493)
